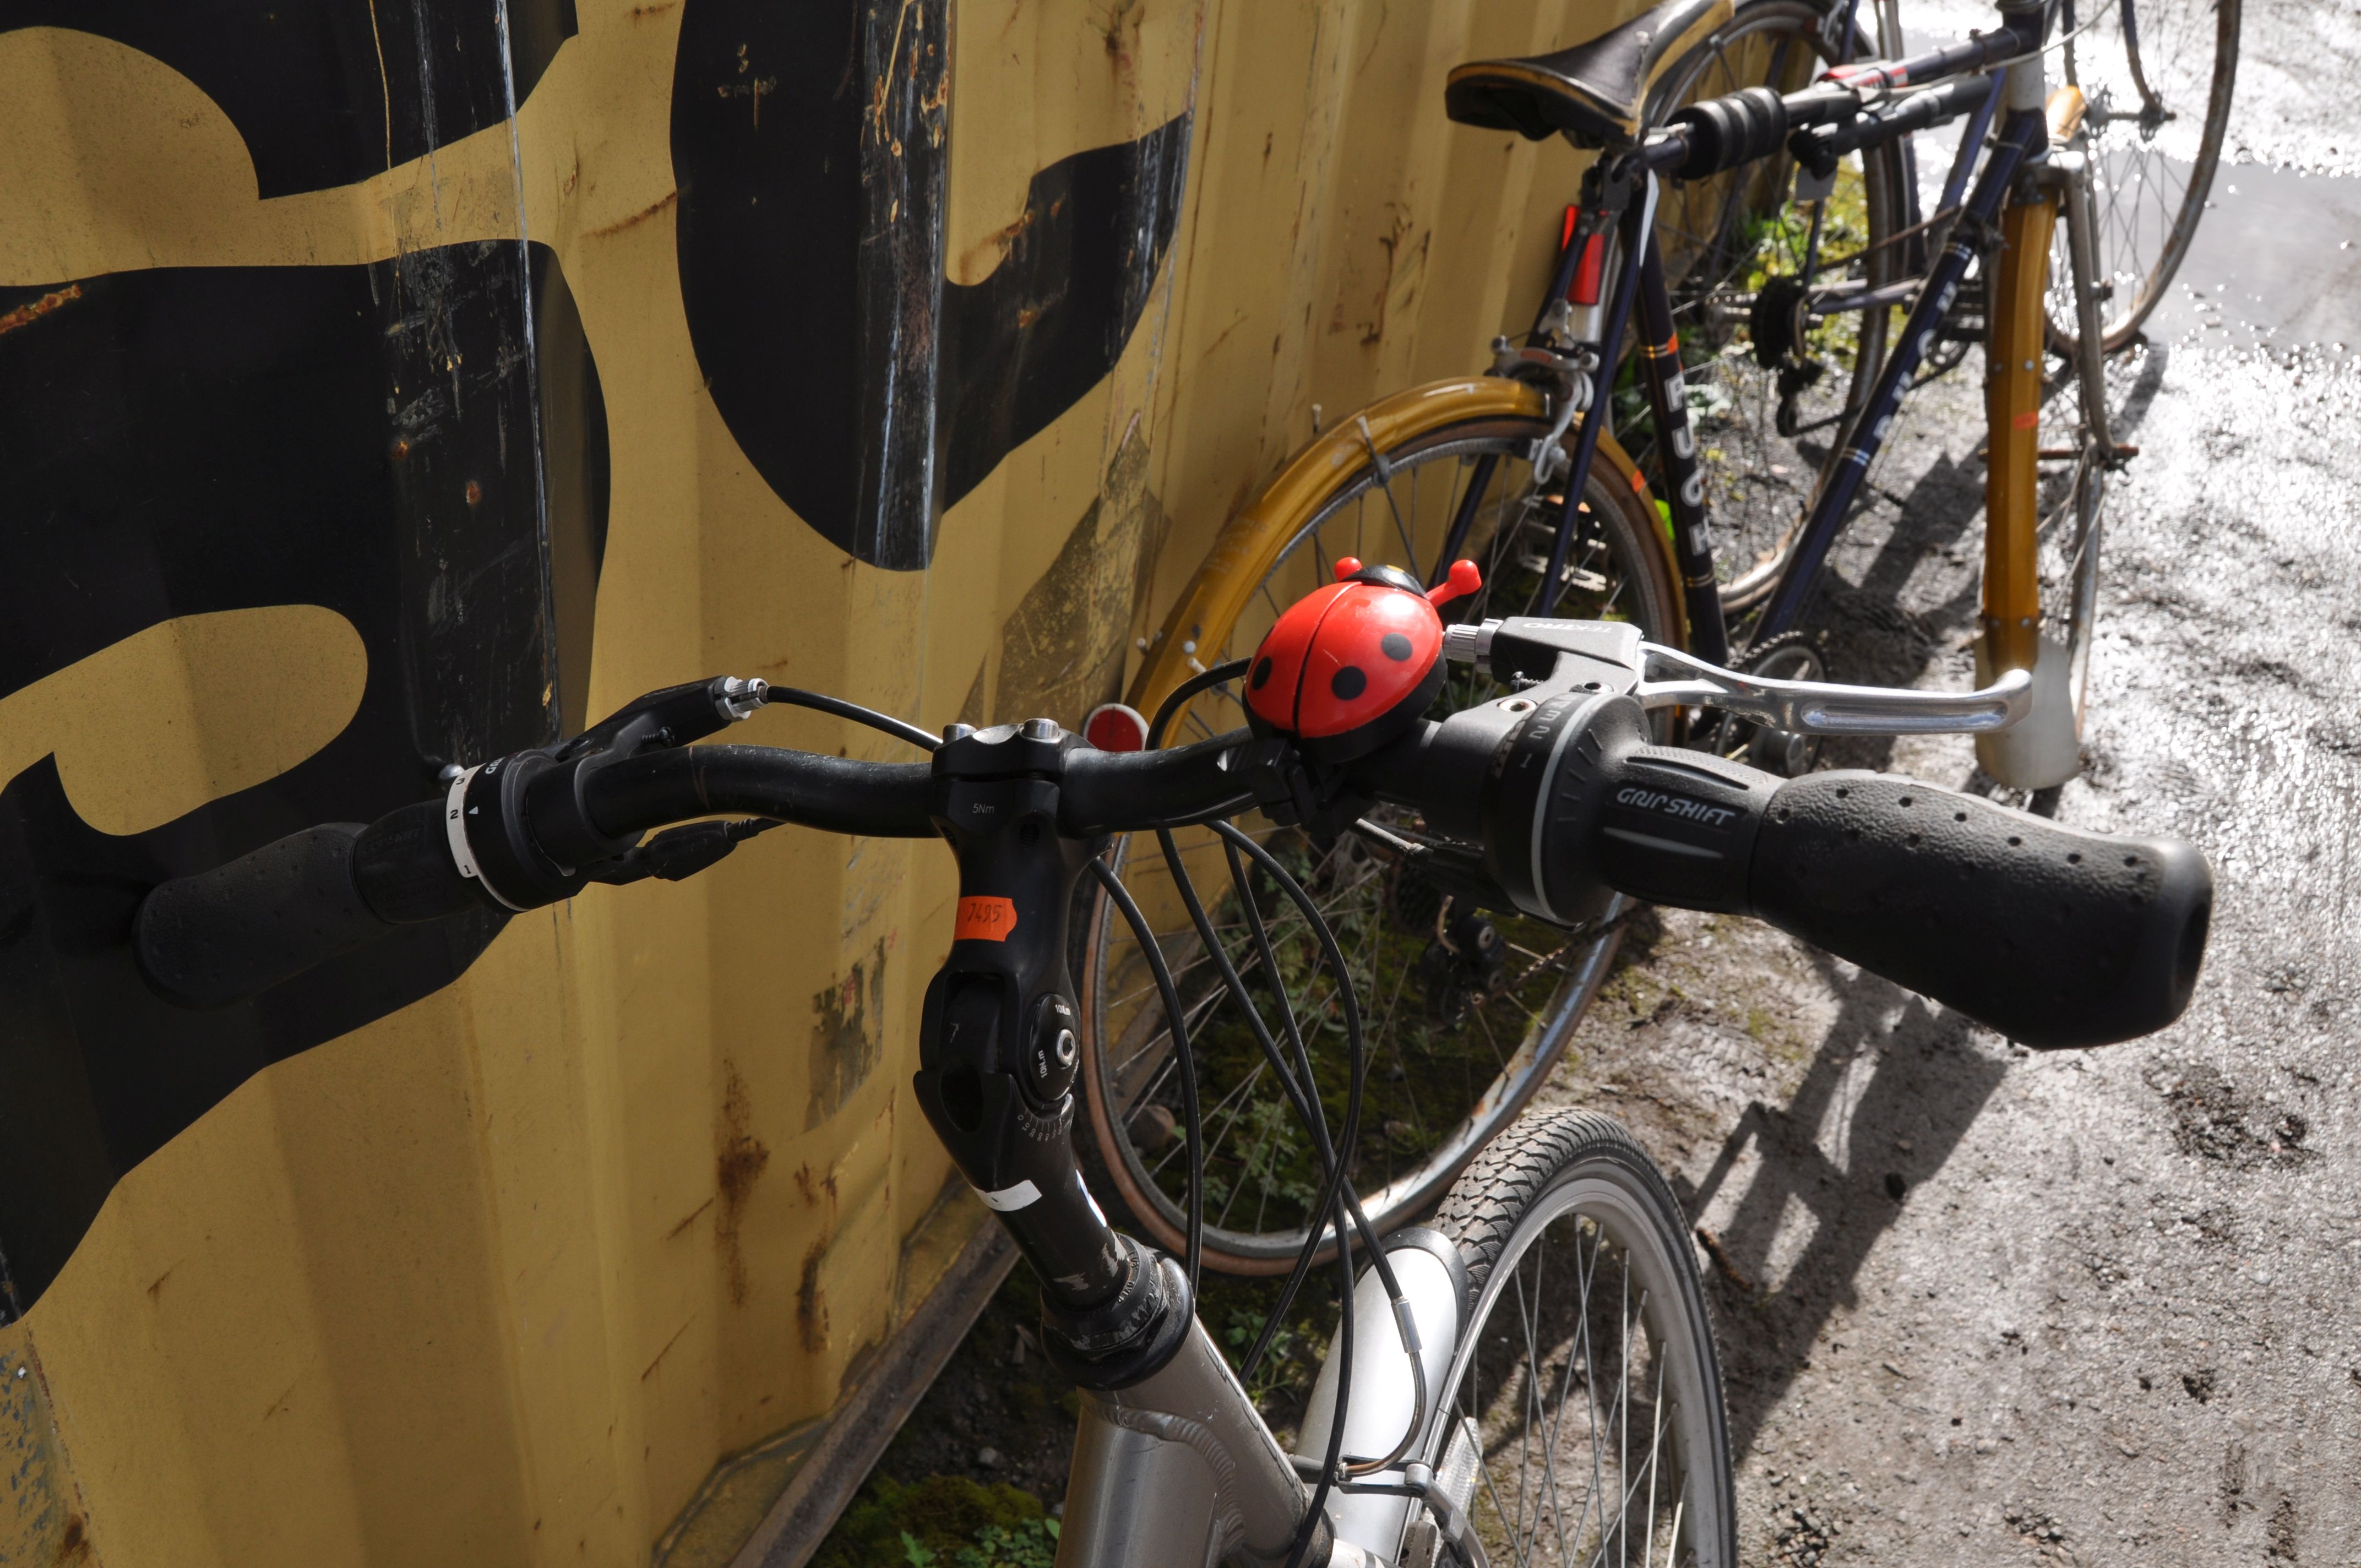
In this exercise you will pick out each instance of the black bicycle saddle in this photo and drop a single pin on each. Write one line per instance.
(1595, 92)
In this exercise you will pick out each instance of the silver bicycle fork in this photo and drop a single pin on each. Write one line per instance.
(1181, 1472)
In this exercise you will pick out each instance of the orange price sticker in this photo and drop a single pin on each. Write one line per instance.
(985, 920)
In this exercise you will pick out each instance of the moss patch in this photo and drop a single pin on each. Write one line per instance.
(946, 1520)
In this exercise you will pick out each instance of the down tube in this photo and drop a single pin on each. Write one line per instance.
(2019, 134)
(1668, 405)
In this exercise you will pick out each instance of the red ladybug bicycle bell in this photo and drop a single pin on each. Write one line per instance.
(1352, 666)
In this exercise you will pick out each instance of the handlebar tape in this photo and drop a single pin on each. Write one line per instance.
(209, 939)
(2053, 935)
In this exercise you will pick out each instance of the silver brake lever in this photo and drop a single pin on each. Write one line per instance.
(1670, 678)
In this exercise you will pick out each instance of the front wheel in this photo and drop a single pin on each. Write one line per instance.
(2157, 76)
(1583, 1421)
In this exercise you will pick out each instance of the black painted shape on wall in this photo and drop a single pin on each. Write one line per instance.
(326, 93)
(809, 149)
(184, 441)
(1022, 346)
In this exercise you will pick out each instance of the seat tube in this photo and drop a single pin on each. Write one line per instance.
(1639, 221)
(1660, 359)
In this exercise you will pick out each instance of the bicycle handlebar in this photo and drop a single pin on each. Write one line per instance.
(2051, 934)
(1844, 112)
(2055, 936)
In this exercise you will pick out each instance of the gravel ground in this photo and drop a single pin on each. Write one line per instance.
(1978, 1305)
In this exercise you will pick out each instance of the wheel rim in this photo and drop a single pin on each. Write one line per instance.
(1438, 1086)
(1582, 1424)
(1735, 247)
(2153, 136)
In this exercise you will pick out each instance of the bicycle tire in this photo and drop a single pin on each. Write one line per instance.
(1534, 1333)
(2145, 222)
(1413, 1143)
(1730, 243)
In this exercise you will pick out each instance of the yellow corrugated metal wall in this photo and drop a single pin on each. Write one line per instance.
(500, 1278)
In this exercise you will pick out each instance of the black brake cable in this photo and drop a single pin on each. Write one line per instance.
(1405, 1321)
(1307, 1107)
(1338, 1199)
(1202, 680)
(1296, 1084)
(1333, 1198)
(1193, 1124)
(901, 729)
(1336, 1206)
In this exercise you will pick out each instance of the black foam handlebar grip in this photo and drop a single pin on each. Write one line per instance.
(2055, 936)
(223, 935)
(1726, 132)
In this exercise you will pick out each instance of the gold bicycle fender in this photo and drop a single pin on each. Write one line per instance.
(1243, 552)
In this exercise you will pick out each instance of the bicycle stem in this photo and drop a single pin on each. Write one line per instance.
(999, 1050)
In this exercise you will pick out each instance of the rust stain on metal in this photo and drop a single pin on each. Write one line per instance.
(846, 1039)
(911, 19)
(1061, 653)
(1119, 14)
(280, 1403)
(1003, 241)
(823, 1189)
(74, 1545)
(811, 1299)
(739, 1163)
(32, 311)
(643, 216)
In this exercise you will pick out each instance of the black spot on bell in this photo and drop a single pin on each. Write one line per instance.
(1348, 682)
(1395, 645)
(1261, 673)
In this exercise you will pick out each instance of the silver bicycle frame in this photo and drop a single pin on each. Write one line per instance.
(1181, 1472)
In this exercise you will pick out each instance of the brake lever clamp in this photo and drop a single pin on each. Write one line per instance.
(520, 826)
(1324, 802)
